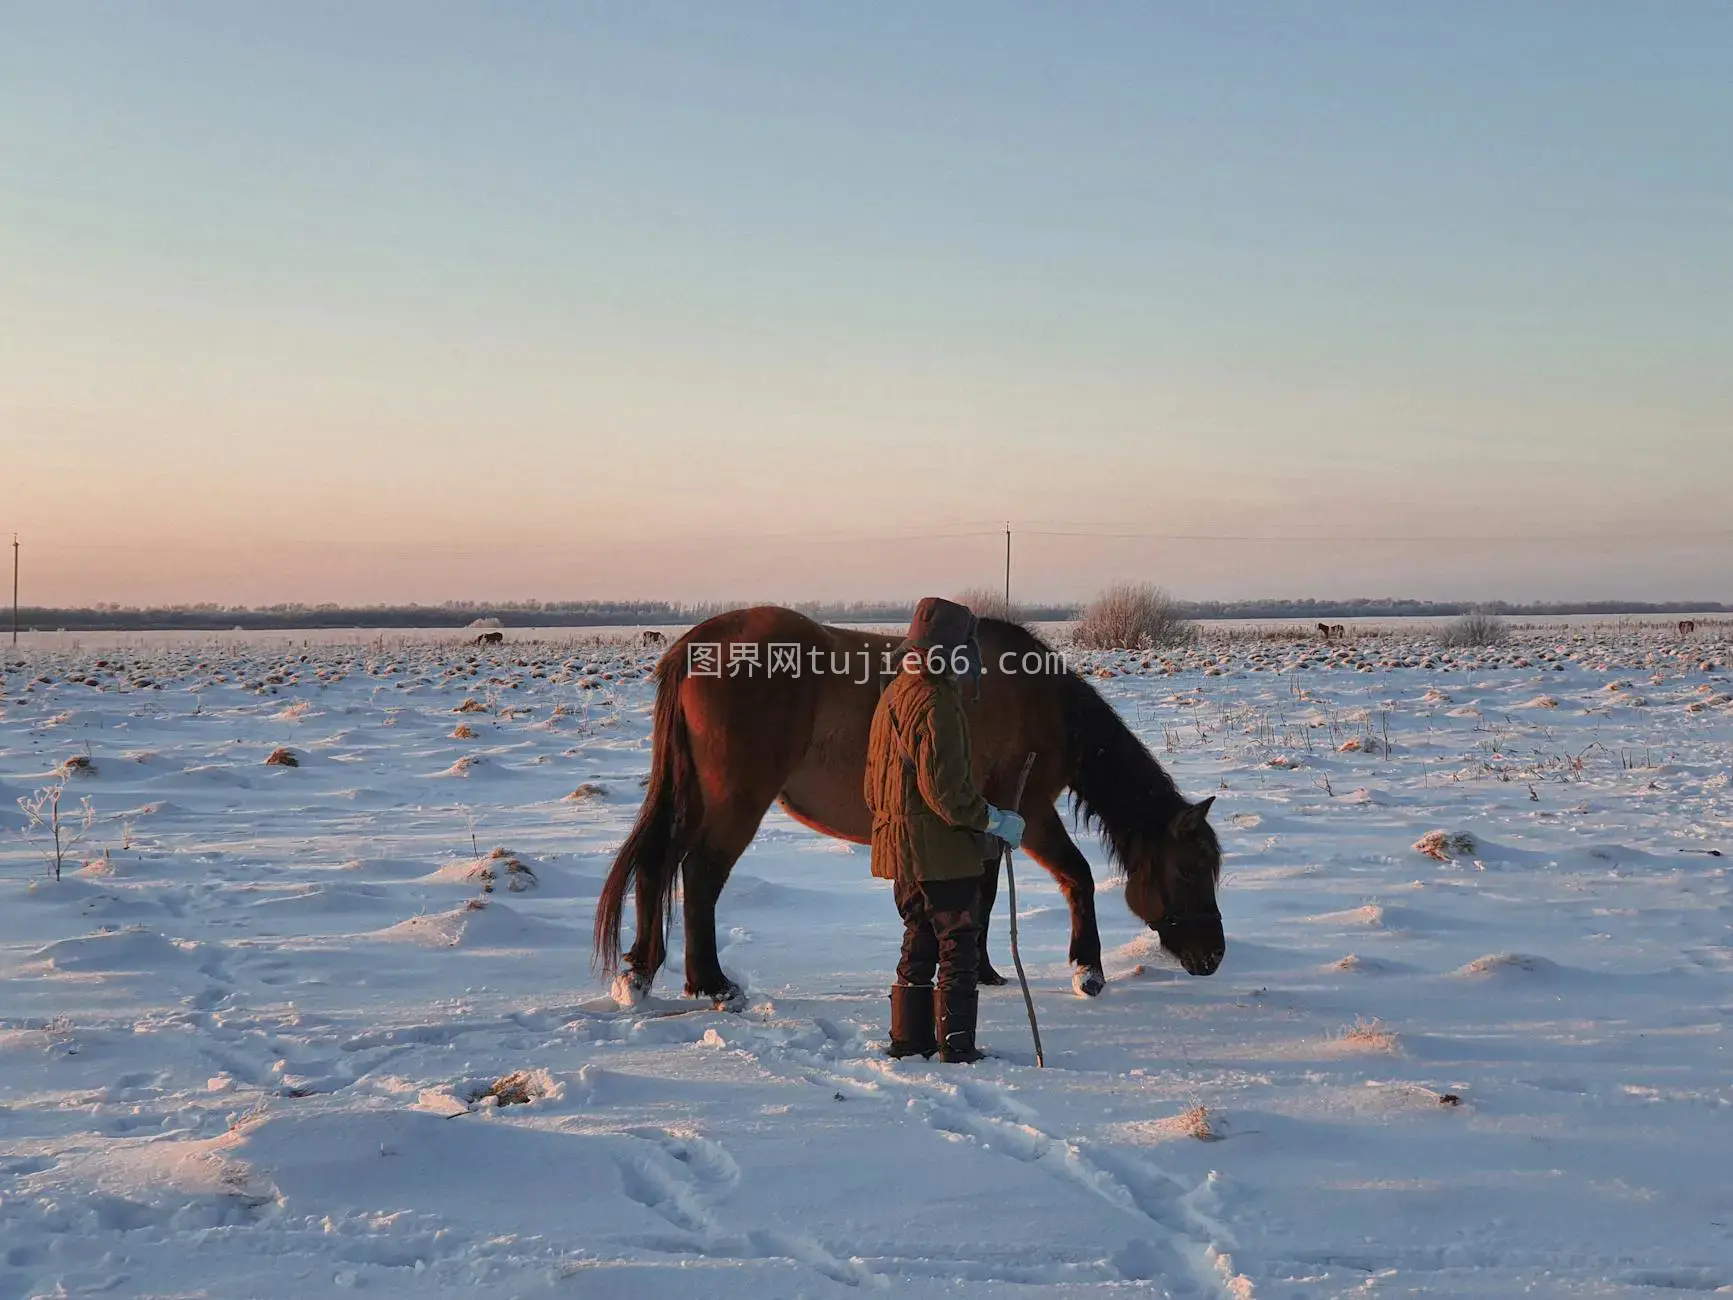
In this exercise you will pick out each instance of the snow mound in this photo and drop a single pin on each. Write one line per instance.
(1505, 964)
(132, 949)
(478, 923)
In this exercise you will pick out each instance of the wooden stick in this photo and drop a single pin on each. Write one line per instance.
(1016, 953)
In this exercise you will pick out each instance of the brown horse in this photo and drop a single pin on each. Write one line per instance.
(764, 705)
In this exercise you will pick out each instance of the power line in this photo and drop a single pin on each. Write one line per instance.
(1357, 538)
(1106, 532)
(815, 537)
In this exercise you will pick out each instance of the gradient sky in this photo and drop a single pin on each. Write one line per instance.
(420, 301)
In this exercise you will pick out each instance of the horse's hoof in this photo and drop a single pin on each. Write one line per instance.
(987, 975)
(1089, 981)
(729, 997)
(630, 988)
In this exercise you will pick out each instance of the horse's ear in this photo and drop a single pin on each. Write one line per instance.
(1187, 820)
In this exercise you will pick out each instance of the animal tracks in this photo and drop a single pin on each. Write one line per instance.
(682, 1176)
(648, 1181)
(1189, 1246)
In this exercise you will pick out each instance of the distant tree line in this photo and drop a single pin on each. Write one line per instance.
(208, 617)
(1396, 607)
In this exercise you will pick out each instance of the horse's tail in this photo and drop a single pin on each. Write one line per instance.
(673, 808)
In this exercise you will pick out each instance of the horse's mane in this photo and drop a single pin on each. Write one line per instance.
(1116, 784)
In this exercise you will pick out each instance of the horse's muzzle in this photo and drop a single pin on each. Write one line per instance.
(1199, 944)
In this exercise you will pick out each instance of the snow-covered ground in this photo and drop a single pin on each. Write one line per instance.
(242, 1038)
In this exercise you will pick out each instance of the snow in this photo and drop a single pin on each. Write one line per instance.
(249, 1041)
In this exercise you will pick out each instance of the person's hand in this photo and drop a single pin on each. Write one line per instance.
(1007, 825)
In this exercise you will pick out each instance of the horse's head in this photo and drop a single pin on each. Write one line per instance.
(1173, 888)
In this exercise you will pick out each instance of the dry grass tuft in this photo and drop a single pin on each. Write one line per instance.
(1369, 1036)
(463, 731)
(515, 1089)
(502, 864)
(471, 705)
(519, 1088)
(1445, 846)
(1195, 1123)
(1359, 745)
(280, 757)
(1495, 962)
(97, 868)
(587, 791)
(78, 765)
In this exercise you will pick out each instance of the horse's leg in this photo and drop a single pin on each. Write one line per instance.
(1050, 845)
(723, 840)
(649, 948)
(985, 974)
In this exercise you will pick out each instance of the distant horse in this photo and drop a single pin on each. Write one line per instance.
(1687, 626)
(653, 637)
(1338, 630)
(490, 638)
(732, 735)
(1324, 631)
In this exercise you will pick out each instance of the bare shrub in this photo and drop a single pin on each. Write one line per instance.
(51, 833)
(1476, 628)
(1132, 616)
(987, 603)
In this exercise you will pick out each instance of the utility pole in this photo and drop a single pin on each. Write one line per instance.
(14, 588)
(1007, 570)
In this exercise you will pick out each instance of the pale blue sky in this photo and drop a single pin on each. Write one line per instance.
(409, 301)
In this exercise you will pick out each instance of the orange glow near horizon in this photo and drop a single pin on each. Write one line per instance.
(573, 306)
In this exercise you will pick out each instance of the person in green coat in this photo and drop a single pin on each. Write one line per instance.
(931, 830)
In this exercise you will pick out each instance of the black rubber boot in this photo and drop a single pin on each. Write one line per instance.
(955, 1009)
(911, 1021)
